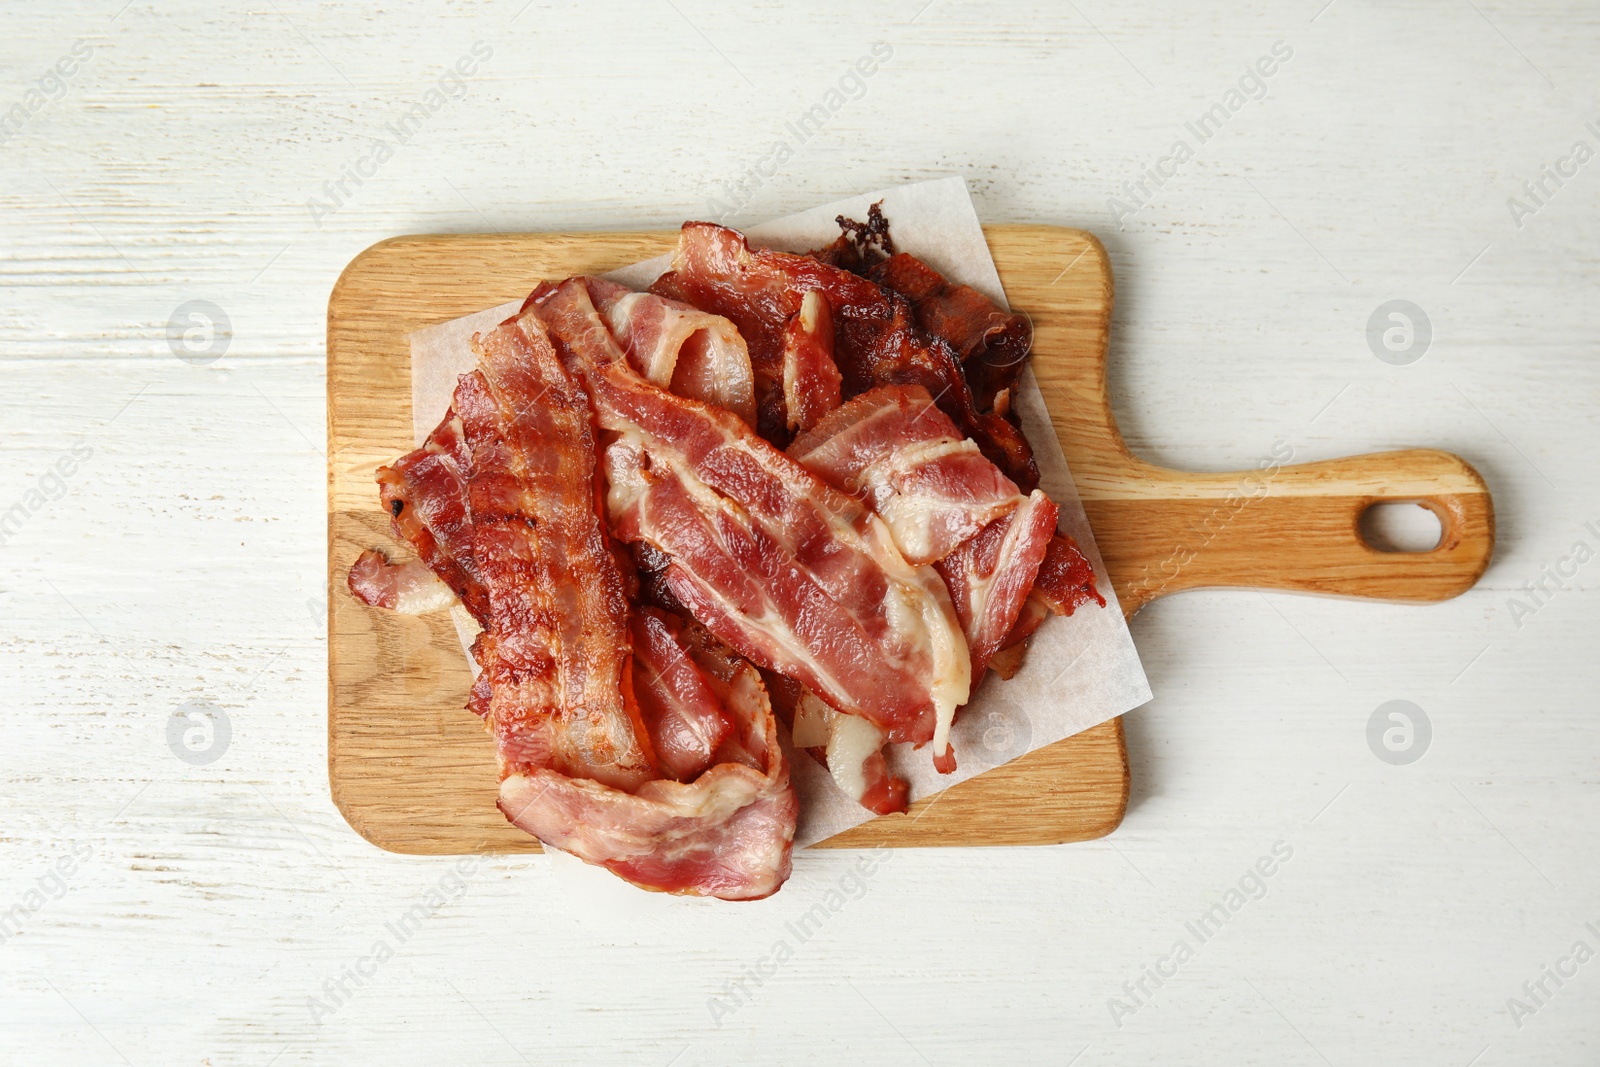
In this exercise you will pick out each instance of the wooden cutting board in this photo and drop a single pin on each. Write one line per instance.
(413, 772)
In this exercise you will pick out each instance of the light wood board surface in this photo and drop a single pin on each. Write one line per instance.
(414, 772)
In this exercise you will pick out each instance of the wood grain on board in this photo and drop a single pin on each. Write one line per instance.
(413, 772)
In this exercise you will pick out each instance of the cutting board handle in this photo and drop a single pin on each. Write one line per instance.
(1297, 527)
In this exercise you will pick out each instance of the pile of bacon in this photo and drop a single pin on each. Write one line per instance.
(773, 481)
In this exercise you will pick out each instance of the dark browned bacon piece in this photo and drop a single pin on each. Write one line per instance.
(876, 341)
(1066, 578)
(992, 344)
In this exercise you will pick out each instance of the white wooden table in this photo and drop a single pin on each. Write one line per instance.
(167, 540)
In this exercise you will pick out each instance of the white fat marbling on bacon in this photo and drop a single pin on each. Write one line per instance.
(728, 833)
(811, 379)
(681, 711)
(409, 588)
(679, 347)
(792, 574)
(859, 625)
(851, 748)
(851, 743)
(894, 449)
(991, 576)
(876, 629)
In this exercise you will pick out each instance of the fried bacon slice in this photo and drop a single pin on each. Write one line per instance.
(991, 575)
(578, 767)
(556, 647)
(811, 379)
(992, 344)
(1014, 649)
(946, 503)
(1066, 581)
(894, 449)
(790, 573)
(409, 588)
(685, 717)
(425, 494)
(679, 347)
(851, 748)
(761, 292)
(876, 341)
(729, 833)
(1066, 577)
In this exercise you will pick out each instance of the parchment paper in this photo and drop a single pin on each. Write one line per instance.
(1079, 671)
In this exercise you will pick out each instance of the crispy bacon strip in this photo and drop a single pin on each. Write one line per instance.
(556, 647)
(792, 574)
(679, 347)
(991, 575)
(425, 494)
(578, 768)
(993, 344)
(894, 449)
(1066, 578)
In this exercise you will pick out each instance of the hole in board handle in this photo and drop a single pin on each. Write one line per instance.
(1401, 526)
